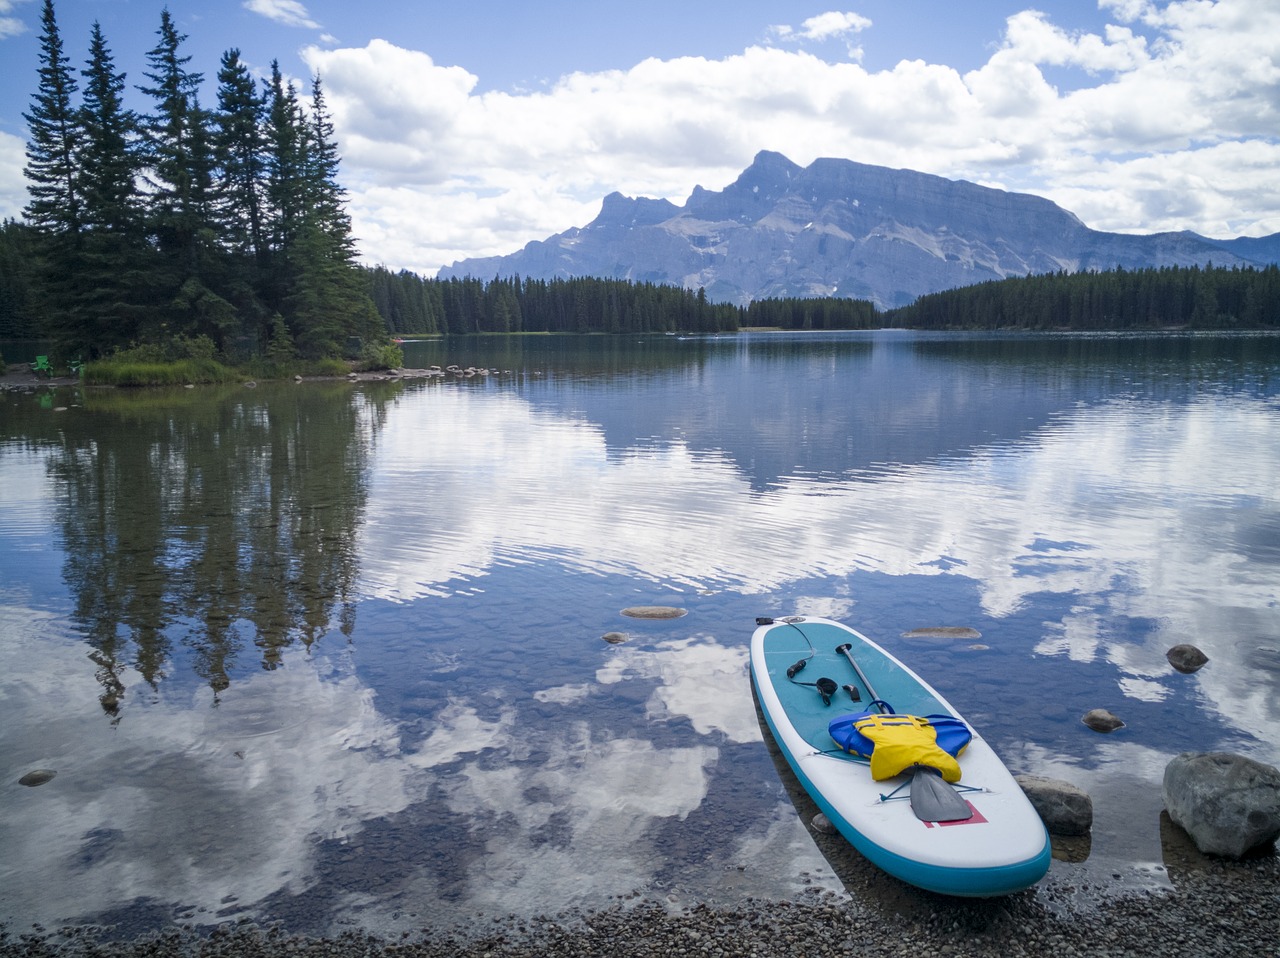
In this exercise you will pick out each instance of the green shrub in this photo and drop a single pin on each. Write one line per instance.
(388, 356)
(329, 367)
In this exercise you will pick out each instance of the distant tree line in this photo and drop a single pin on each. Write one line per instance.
(410, 303)
(185, 221)
(821, 313)
(1192, 296)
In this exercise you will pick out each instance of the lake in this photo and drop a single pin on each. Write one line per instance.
(333, 654)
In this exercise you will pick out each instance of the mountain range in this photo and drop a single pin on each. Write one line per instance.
(847, 229)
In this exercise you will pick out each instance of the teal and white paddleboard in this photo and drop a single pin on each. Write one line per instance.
(1001, 847)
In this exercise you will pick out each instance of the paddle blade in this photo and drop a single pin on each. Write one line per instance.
(933, 800)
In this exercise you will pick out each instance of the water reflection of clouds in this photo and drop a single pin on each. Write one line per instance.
(182, 802)
(1137, 511)
(192, 806)
(699, 679)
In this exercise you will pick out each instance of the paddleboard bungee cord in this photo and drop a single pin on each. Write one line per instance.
(826, 687)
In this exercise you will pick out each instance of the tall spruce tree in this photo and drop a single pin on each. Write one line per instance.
(239, 149)
(312, 277)
(328, 295)
(180, 155)
(53, 187)
(113, 269)
(54, 129)
(285, 152)
(241, 160)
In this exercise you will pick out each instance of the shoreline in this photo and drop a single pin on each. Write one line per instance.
(1228, 909)
(18, 378)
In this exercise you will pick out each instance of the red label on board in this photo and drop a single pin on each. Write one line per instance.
(977, 819)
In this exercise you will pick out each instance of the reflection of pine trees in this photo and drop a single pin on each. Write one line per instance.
(217, 534)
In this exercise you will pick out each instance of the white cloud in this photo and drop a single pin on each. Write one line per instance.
(825, 26)
(1172, 129)
(13, 185)
(289, 12)
(688, 668)
(10, 26)
(1165, 119)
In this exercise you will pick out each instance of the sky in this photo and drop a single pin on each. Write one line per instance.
(470, 129)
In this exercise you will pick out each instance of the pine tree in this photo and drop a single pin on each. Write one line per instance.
(51, 168)
(324, 295)
(114, 248)
(180, 203)
(239, 149)
(286, 153)
(54, 207)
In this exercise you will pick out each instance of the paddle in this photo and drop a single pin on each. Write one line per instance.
(847, 651)
(932, 799)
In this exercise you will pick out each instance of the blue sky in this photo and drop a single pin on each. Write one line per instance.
(472, 128)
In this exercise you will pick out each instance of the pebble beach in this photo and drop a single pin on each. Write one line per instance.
(1226, 909)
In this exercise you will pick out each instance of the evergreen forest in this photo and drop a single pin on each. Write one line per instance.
(411, 304)
(223, 229)
(1171, 296)
(222, 223)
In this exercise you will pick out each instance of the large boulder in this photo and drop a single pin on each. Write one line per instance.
(1227, 803)
(1064, 809)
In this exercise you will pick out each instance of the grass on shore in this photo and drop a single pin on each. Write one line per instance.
(180, 372)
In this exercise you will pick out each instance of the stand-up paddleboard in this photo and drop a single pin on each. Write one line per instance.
(977, 836)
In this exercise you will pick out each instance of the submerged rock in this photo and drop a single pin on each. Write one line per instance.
(1186, 658)
(614, 638)
(37, 777)
(654, 612)
(943, 632)
(822, 824)
(1228, 804)
(1064, 808)
(1100, 720)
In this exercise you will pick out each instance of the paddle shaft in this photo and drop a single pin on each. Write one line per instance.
(846, 650)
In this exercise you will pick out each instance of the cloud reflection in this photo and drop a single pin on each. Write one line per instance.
(209, 811)
(691, 672)
(1133, 509)
(220, 806)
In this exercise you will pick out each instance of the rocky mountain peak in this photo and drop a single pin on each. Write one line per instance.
(842, 228)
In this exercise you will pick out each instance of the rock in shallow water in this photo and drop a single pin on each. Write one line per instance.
(1186, 658)
(1100, 720)
(1064, 809)
(1228, 804)
(654, 612)
(943, 632)
(37, 777)
(614, 638)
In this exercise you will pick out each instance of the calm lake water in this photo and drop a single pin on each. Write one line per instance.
(331, 654)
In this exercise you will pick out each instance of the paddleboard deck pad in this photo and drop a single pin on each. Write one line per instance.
(1001, 848)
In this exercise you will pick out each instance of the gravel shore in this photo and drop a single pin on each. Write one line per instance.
(1228, 909)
